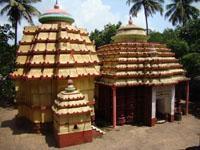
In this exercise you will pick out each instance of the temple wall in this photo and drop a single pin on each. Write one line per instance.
(70, 128)
(35, 97)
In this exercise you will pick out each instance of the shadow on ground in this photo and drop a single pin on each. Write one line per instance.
(19, 128)
(7, 104)
(195, 110)
(193, 148)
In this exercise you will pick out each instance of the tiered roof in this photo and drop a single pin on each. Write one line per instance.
(55, 49)
(70, 102)
(129, 62)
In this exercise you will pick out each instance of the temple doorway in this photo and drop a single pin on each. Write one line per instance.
(164, 107)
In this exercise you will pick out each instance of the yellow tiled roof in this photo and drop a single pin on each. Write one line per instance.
(55, 50)
(70, 101)
(139, 63)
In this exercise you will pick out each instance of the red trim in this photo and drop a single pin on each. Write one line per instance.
(153, 122)
(91, 103)
(187, 96)
(64, 140)
(114, 106)
(171, 118)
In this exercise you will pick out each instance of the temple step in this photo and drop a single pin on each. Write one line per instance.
(97, 132)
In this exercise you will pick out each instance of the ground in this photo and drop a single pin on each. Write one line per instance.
(167, 136)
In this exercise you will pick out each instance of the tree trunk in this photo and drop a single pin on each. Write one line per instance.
(147, 26)
(16, 27)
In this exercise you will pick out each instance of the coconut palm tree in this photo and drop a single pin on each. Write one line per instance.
(150, 7)
(18, 9)
(180, 11)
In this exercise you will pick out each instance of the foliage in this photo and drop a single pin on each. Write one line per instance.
(150, 7)
(191, 62)
(184, 42)
(190, 32)
(156, 37)
(168, 34)
(7, 63)
(104, 36)
(179, 47)
(181, 11)
(171, 38)
(18, 9)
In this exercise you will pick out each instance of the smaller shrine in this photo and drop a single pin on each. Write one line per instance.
(71, 117)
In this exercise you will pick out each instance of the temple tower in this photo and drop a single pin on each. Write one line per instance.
(48, 55)
(72, 121)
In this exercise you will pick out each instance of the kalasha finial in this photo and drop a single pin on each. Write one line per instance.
(70, 86)
(56, 6)
(130, 20)
(69, 82)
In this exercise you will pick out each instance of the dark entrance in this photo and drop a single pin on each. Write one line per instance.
(133, 104)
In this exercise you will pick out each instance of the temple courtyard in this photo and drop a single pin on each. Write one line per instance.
(167, 136)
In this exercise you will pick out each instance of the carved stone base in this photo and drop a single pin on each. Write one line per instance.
(171, 118)
(153, 122)
(64, 140)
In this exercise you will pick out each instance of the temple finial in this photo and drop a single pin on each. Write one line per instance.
(130, 20)
(56, 6)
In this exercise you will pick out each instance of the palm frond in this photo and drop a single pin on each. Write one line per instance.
(5, 9)
(3, 1)
(179, 11)
(135, 9)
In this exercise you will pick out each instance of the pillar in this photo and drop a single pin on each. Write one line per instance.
(187, 97)
(114, 106)
(171, 115)
(153, 107)
(179, 98)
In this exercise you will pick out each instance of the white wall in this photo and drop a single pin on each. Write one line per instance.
(163, 97)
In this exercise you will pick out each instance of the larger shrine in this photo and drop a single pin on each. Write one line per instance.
(48, 55)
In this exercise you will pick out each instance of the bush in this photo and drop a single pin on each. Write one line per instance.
(7, 64)
(191, 63)
(179, 47)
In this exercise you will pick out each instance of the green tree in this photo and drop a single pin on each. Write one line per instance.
(7, 63)
(156, 37)
(179, 47)
(104, 36)
(150, 7)
(180, 11)
(191, 34)
(18, 9)
(171, 38)
(191, 63)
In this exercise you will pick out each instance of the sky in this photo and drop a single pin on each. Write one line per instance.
(94, 14)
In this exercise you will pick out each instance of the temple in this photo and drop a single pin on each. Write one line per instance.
(48, 55)
(60, 77)
(138, 80)
(72, 117)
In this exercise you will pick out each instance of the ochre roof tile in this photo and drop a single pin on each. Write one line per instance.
(55, 50)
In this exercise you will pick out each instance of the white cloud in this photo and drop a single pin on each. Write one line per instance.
(91, 14)
(94, 14)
